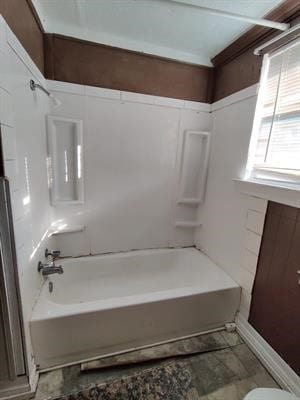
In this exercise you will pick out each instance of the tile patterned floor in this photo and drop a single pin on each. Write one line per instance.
(199, 344)
(220, 367)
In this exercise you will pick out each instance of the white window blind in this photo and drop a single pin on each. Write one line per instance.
(276, 151)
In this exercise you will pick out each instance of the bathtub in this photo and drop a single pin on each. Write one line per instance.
(112, 303)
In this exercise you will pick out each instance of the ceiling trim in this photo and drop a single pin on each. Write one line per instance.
(285, 12)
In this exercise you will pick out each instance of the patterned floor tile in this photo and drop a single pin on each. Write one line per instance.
(222, 368)
(197, 344)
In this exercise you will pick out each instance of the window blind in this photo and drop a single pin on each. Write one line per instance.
(278, 137)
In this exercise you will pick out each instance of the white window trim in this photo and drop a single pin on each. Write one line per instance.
(271, 187)
(257, 119)
(288, 194)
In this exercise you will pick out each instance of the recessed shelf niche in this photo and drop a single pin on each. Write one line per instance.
(65, 160)
(194, 167)
(193, 173)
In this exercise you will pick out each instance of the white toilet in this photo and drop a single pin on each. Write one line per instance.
(270, 394)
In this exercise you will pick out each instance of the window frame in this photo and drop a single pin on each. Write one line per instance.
(264, 172)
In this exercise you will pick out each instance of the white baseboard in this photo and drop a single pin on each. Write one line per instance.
(278, 368)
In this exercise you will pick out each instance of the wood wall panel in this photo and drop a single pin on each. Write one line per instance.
(23, 21)
(276, 293)
(77, 61)
(236, 75)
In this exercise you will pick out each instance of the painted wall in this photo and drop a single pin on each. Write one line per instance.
(24, 144)
(232, 222)
(132, 156)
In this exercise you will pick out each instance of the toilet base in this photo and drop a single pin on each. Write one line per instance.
(270, 394)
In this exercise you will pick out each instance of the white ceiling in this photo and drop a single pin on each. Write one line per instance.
(157, 27)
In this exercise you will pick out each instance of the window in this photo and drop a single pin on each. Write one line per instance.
(274, 151)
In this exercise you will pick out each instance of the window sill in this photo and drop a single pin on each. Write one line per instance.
(278, 192)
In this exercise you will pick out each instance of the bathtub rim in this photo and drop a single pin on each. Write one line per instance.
(61, 310)
(108, 304)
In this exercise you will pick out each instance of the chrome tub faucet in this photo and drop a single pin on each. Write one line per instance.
(50, 268)
(54, 254)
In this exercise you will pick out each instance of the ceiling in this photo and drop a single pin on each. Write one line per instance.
(157, 27)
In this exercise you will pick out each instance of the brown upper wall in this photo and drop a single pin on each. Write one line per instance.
(236, 75)
(72, 60)
(21, 17)
(236, 67)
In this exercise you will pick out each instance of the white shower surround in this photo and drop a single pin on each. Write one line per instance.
(227, 227)
(22, 117)
(132, 161)
(117, 302)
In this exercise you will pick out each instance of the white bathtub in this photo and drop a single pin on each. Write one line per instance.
(116, 302)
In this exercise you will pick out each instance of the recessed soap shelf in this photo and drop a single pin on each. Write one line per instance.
(65, 160)
(194, 167)
(67, 229)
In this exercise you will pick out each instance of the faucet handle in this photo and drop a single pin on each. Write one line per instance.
(40, 266)
(60, 270)
(54, 253)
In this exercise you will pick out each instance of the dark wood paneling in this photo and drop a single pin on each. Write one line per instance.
(24, 23)
(77, 61)
(236, 66)
(239, 74)
(276, 293)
